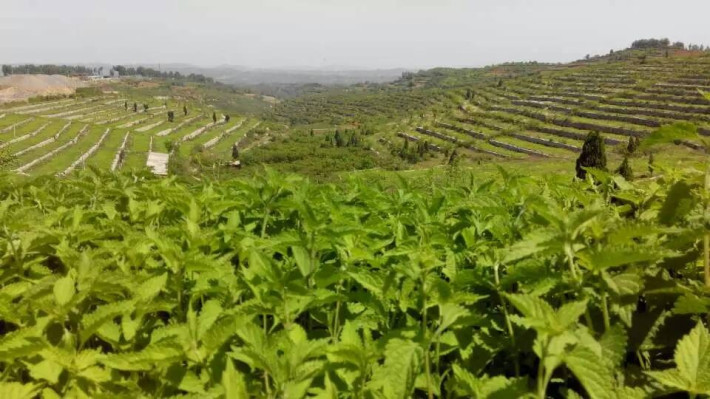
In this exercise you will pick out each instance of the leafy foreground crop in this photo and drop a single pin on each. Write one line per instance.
(275, 287)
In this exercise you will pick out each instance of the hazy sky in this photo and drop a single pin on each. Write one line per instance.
(352, 33)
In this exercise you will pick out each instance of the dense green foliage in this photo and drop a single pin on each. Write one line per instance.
(593, 155)
(316, 155)
(276, 287)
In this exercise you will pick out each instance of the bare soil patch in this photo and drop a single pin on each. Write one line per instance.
(22, 87)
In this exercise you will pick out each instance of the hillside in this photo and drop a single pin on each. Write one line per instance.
(525, 112)
(23, 87)
(422, 238)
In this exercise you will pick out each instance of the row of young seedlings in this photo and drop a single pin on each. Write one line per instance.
(27, 166)
(82, 159)
(16, 125)
(588, 114)
(688, 109)
(409, 137)
(493, 142)
(458, 142)
(177, 127)
(43, 142)
(25, 136)
(120, 154)
(568, 123)
(213, 141)
(542, 128)
(523, 137)
(51, 106)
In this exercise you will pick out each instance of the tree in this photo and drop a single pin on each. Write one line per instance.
(453, 159)
(145, 107)
(625, 170)
(125, 105)
(214, 117)
(632, 146)
(593, 155)
(500, 82)
(135, 107)
(226, 119)
(354, 140)
(171, 116)
(650, 163)
(184, 109)
(6, 70)
(339, 140)
(235, 152)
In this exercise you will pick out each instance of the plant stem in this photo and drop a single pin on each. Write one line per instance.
(266, 373)
(605, 311)
(426, 340)
(508, 323)
(541, 388)
(570, 261)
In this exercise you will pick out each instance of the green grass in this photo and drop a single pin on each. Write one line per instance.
(63, 159)
(104, 156)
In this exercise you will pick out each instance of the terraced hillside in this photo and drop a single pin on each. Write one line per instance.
(548, 114)
(106, 132)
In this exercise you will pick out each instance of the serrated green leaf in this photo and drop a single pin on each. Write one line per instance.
(303, 260)
(161, 354)
(233, 382)
(396, 378)
(93, 321)
(449, 314)
(609, 257)
(150, 288)
(46, 370)
(692, 357)
(679, 202)
(592, 371)
(15, 390)
(64, 290)
(210, 312)
(670, 133)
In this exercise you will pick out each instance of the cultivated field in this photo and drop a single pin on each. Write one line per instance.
(105, 132)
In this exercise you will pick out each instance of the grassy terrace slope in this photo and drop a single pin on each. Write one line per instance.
(56, 136)
(549, 113)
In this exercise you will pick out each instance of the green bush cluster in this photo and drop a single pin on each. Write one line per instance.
(123, 286)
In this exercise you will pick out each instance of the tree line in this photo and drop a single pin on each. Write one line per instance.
(47, 69)
(154, 73)
(656, 43)
(79, 70)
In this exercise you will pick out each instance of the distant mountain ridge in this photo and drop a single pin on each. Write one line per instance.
(246, 76)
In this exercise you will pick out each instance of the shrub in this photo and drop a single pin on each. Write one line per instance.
(593, 155)
(625, 170)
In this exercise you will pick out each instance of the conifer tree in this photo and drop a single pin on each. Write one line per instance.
(625, 170)
(593, 155)
(171, 116)
(650, 163)
(184, 109)
(135, 107)
(339, 141)
(214, 117)
(631, 147)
